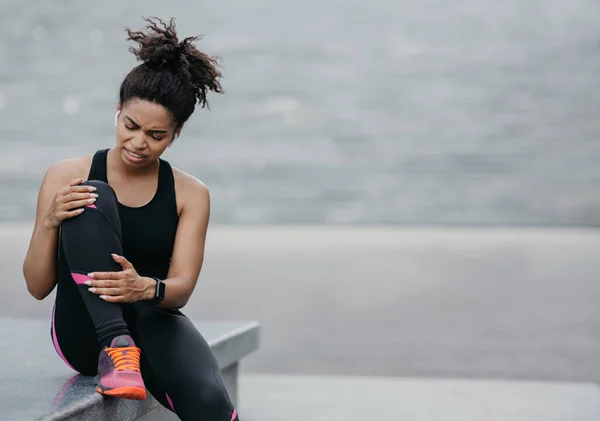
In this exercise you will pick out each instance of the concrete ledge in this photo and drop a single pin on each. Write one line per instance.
(37, 385)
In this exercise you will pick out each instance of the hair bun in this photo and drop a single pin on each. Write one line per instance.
(160, 50)
(159, 46)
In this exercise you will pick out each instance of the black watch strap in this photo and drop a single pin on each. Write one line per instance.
(159, 295)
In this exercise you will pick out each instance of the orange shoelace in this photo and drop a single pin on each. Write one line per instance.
(125, 358)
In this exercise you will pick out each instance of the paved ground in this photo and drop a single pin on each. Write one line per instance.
(299, 398)
(393, 302)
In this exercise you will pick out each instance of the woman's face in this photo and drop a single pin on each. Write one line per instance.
(144, 130)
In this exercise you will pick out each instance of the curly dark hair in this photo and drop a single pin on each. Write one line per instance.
(173, 74)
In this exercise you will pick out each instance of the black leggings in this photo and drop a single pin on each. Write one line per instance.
(177, 365)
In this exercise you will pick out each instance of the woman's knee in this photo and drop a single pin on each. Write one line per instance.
(101, 186)
(106, 194)
(207, 398)
(213, 398)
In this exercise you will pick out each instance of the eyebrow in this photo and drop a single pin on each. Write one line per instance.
(137, 125)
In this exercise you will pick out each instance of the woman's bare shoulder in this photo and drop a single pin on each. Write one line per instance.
(71, 168)
(188, 187)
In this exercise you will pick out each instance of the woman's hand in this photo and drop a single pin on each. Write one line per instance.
(68, 202)
(126, 286)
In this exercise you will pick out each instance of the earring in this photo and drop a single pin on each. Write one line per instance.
(116, 117)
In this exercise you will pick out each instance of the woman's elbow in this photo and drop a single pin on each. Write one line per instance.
(39, 290)
(37, 293)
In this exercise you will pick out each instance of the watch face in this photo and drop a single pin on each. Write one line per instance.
(160, 291)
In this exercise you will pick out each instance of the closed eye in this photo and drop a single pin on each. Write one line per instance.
(153, 133)
(155, 137)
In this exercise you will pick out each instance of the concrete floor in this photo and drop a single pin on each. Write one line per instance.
(392, 302)
(316, 398)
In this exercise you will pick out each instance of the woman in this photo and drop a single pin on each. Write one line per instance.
(126, 246)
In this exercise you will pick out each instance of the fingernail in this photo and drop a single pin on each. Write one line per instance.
(92, 188)
(92, 289)
(92, 200)
(94, 195)
(88, 282)
(90, 275)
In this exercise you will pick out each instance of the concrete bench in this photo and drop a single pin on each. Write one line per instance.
(35, 384)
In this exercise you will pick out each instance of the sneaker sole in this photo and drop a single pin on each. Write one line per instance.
(133, 393)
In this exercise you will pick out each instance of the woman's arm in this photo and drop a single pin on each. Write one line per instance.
(41, 263)
(188, 252)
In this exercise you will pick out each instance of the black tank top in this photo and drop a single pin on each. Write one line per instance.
(148, 231)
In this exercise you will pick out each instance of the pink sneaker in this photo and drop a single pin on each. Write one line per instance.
(119, 370)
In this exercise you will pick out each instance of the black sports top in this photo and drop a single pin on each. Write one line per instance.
(148, 231)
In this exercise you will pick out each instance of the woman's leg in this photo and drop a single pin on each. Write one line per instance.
(87, 243)
(72, 330)
(179, 367)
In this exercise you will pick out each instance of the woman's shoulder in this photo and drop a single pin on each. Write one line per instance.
(71, 168)
(189, 187)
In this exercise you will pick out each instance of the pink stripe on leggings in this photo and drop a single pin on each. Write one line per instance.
(79, 278)
(233, 415)
(170, 402)
(55, 341)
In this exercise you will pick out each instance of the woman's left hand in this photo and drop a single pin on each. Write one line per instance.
(126, 286)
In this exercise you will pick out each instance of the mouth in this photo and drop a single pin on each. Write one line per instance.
(134, 155)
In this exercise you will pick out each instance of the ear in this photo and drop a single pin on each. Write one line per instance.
(177, 132)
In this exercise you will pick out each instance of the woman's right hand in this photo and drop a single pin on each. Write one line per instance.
(68, 202)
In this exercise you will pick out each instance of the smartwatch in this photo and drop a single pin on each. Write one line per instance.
(159, 295)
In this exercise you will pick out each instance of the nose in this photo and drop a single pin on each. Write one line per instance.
(138, 143)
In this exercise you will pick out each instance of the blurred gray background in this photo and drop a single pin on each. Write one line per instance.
(399, 189)
(462, 112)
